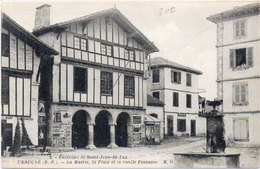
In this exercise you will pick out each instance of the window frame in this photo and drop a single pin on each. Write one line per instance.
(105, 46)
(153, 79)
(175, 103)
(188, 104)
(176, 74)
(237, 94)
(85, 90)
(237, 29)
(247, 128)
(80, 43)
(108, 90)
(249, 58)
(188, 79)
(129, 86)
(127, 52)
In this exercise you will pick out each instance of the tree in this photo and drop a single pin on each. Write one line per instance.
(26, 141)
(17, 140)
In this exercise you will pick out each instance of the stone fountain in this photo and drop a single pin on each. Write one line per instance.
(215, 155)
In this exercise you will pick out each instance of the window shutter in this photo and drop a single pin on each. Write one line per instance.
(232, 58)
(233, 94)
(243, 93)
(250, 57)
(246, 93)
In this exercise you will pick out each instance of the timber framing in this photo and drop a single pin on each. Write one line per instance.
(113, 13)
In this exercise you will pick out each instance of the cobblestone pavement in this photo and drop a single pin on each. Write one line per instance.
(152, 156)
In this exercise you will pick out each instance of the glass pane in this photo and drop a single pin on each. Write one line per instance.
(109, 50)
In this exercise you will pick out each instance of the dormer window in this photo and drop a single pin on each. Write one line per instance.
(240, 29)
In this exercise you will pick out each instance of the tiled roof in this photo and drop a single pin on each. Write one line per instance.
(113, 12)
(247, 10)
(162, 62)
(25, 35)
(151, 101)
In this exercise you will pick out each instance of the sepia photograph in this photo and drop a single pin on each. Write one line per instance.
(130, 84)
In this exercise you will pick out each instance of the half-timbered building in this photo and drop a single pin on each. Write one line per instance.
(97, 94)
(21, 56)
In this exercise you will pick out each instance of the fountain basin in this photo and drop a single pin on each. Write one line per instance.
(202, 160)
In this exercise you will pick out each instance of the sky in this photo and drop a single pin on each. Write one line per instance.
(178, 28)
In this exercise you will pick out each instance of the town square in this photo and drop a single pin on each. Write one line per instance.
(130, 84)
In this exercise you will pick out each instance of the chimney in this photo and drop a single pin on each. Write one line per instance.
(42, 18)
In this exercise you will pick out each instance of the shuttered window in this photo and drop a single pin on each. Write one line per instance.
(241, 58)
(239, 29)
(156, 76)
(240, 127)
(129, 86)
(240, 94)
(5, 89)
(80, 80)
(106, 83)
(5, 45)
(175, 77)
(175, 99)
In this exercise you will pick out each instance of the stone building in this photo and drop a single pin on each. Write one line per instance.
(21, 56)
(98, 83)
(177, 87)
(238, 73)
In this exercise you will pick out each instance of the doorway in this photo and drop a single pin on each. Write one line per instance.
(7, 135)
(102, 129)
(80, 129)
(123, 120)
(170, 125)
(193, 128)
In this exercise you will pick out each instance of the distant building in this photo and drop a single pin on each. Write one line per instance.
(21, 56)
(97, 85)
(238, 73)
(177, 87)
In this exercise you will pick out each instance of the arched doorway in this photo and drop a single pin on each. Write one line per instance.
(123, 121)
(102, 129)
(154, 115)
(80, 129)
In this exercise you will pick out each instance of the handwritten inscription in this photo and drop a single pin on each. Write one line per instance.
(165, 11)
